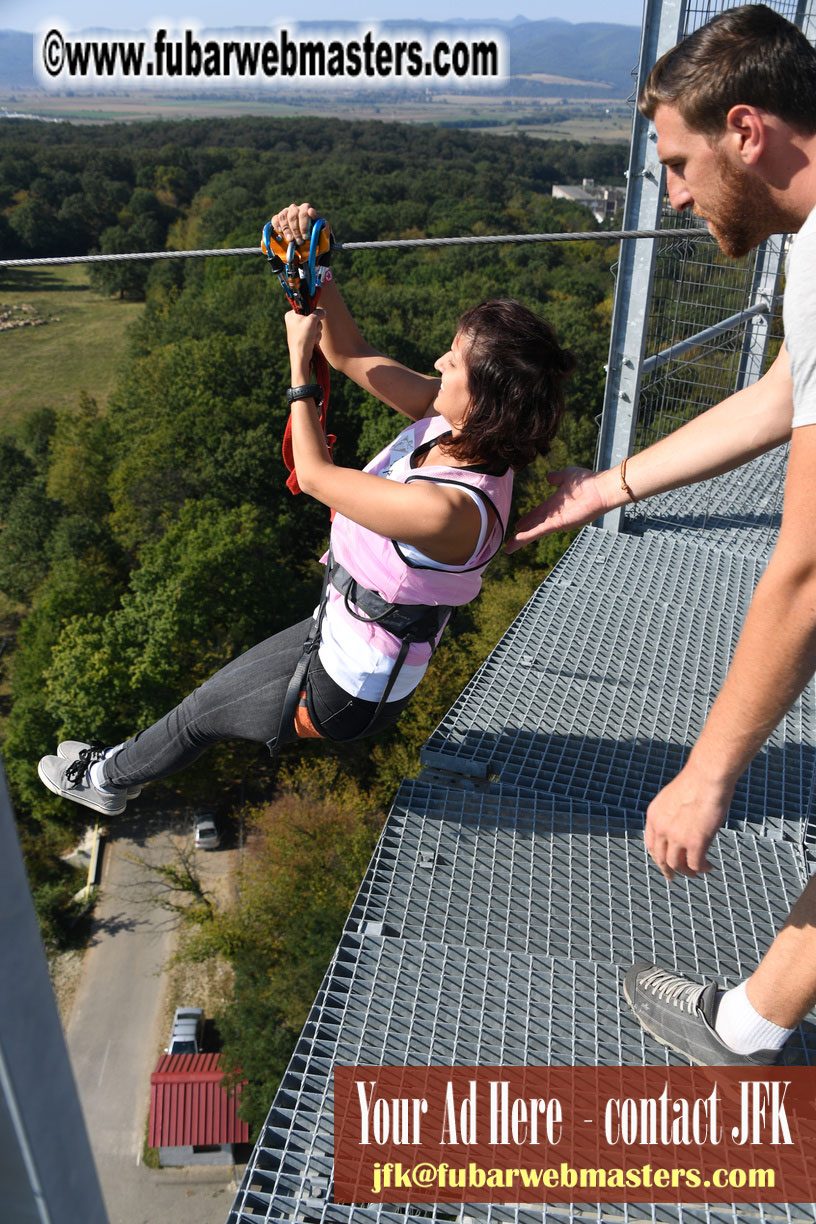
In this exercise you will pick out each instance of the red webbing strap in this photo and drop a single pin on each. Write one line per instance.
(320, 366)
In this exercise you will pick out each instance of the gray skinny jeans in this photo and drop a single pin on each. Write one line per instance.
(243, 701)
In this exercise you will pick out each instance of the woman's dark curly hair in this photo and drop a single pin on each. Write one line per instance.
(516, 371)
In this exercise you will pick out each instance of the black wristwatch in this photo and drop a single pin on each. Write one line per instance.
(307, 391)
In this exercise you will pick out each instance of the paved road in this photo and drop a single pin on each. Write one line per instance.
(113, 1037)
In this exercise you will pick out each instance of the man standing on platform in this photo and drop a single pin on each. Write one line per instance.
(734, 106)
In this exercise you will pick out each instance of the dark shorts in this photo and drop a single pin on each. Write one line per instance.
(339, 716)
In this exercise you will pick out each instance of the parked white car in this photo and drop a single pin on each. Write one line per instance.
(206, 834)
(187, 1032)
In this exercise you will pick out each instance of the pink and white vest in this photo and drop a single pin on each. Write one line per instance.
(359, 656)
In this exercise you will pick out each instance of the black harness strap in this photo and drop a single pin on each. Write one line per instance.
(291, 700)
(409, 622)
(422, 621)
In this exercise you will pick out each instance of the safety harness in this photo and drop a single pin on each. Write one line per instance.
(301, 269)
(409, 622)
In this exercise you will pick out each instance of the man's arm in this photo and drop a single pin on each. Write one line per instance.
(774, 660)
(739, 428)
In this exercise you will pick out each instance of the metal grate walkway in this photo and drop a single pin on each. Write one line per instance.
(402, 1001)
(510, 888)
(738, 512)
(606, 677)
(526, 874)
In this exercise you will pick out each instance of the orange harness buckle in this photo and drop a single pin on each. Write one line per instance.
(304, 727)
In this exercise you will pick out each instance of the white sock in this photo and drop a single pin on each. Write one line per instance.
(741, 1027)
(96, 775)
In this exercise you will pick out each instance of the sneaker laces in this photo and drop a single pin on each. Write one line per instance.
(78, 769)
(672, 989)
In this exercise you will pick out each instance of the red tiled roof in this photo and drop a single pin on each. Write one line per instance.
(188, 1105)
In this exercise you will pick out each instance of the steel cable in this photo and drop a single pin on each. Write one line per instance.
(386, 244)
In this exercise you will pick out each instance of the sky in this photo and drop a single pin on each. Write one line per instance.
(72, 15)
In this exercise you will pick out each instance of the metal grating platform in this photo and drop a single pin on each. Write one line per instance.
(606, 677)
(308, 1211)
(496, 918)
(673, 570)
(394, 1001)
(738, 512)
(496, 871)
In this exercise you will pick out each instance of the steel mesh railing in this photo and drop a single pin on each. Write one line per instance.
(695, 287)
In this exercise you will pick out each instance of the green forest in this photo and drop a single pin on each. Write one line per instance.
(147, 540)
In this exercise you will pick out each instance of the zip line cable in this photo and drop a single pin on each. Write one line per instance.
(387, 244)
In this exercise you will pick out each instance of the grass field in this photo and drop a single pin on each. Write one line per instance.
(592, 119)
(78, 348)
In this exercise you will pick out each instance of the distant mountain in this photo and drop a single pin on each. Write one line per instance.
(592, 51)
(16, 59)
(600, 54)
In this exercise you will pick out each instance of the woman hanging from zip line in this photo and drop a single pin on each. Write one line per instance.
(411, 537)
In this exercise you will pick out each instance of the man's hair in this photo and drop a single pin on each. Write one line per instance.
(748, 55)
(516, 371)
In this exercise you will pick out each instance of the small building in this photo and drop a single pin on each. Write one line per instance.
(601, 201)
(193, 1119)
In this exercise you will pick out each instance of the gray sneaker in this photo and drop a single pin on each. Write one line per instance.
(70, 780)
(71, 750)
(680, 1014)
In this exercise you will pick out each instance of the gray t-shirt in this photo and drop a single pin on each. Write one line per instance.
(799, 315)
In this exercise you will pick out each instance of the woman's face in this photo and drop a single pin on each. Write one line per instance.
(453, 398)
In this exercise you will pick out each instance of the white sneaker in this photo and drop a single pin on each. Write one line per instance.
(71, 780)
(71, 750)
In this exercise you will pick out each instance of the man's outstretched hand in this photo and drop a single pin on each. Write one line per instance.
(682, 821)
(580, 497)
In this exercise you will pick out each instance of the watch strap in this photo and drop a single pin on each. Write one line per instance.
(306, 391)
